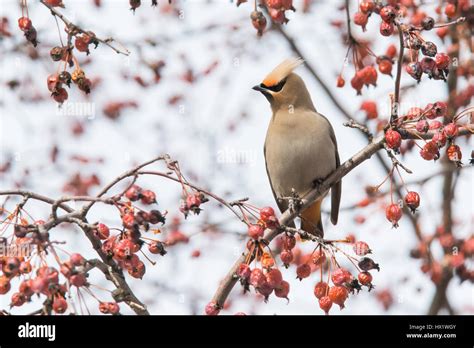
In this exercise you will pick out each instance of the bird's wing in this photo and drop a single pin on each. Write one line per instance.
(282, 205)
(336, 189)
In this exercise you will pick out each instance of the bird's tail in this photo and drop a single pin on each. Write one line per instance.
(311, 219)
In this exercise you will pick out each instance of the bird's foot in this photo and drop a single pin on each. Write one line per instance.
(294, 201)
(318, 182)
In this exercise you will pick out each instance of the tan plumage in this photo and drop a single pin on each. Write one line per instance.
(300, 146)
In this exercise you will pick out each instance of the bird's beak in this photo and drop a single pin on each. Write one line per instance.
(259, 88)
(264, 91)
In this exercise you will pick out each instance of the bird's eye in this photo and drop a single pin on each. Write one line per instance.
(275, 88)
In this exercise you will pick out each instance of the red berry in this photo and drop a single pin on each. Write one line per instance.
(393, 139)
(414, 70)
(338, 295)
(340, 82)
(77, 259)
(412, 200)
(59, 304)
(24, 23)
(274, 278)
(391, 51)
(255, 231)
(454, 153)
(148, 197)
(82, 43)
(325, 304)
(361, 248)
(18, 299)
(113, 307)
(429, 151)
(440, 108)
(78, 280)
(442, 32)
(25, 267)
(289, 242)
(442, 60)
(4, 285)
(365, 278)
(128, 220)
(439, 139)
(318, 257)
(257, 278)
(422, 126)
(103, 231)
(286, 257)
(303, 271)
(361, 19)
(282, 289)
(370, 108)
(450, 10)
(266, 213)
(157, 248)
(367, 6)
(133, 193)
(341, 276)
(386, 29)
(451, 130)
(212, 309)
(385, 67)
(321, 289)
(435, 125)
(387, 13)
(54, 3)
(357, 82)
(60, 95)
(393, 213)
(244, 271)
(369, 75)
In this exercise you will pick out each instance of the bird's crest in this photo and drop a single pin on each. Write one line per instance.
(281, 71)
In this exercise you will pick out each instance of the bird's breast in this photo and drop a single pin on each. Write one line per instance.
(297, 155)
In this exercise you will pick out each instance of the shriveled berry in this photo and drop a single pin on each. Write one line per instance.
(440, 109)
(259, 21)
(78, 280)
(133, 193)
(366, 264)
(289, 242)
(318, 257)
(388, 14)
(157, 247)
(361, 248)
(428, 49)
(451, 130)
(341, 276)
(414, 70)
(422, 126)
(367, 6)
(428, 23)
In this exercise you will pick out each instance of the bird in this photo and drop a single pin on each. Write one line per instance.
(300, 145)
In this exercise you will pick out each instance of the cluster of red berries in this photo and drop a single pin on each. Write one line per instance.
(267, 219)
(343, 282)
(276, 10)
(388, 13)
(192, 203)
(455, 260)
(123, 248)
(424, 120)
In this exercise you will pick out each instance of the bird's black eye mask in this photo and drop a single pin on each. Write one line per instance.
(276, 88)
